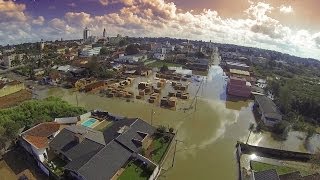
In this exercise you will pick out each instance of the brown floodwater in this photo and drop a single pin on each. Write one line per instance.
(207, 136)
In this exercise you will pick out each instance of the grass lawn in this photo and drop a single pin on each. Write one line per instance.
(134, 172)
(159, 148)
(259, 166)
(159, 64)
(103, 125)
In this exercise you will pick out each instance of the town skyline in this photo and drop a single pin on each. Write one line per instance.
(267, 25)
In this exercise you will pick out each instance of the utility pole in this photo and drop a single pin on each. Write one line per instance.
(152, 113)
(175, 149)
(174, 152)
(195, 105)
(77, 100)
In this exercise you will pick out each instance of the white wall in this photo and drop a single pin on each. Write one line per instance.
(38, 153)
(85, 116)
(155, 173)
(43, 168)
(68, 120)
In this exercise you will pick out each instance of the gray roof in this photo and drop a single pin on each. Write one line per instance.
(291, 176)
(136, 131)
(268, 108)
(88, 133)
(100, 155)
(106, 162)
(65, 139)
(266, 175)
(112, 132)
(81, 154)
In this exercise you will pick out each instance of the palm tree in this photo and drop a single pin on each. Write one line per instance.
(251, 128)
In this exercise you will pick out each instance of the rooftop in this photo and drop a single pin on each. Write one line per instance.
(99, 155)
(266, 175)
(240, 72)
(135, 133)
(268, 108)
(237, 64)
(40, 135)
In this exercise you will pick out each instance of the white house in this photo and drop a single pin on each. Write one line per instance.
(7, 60)
(131, 59)
(159, 56)
(36, 140)
(90, 52)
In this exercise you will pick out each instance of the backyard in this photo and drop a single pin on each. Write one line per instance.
(135, 171)
(158, 147)
(259, 166)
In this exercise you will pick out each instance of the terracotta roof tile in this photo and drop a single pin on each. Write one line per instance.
(38, 135)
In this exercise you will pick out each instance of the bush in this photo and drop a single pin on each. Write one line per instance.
(33, 112)
(171, 130)
(161, 129)
(282, 129)
(166, 138)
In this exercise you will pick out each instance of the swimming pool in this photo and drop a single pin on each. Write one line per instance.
(89, 122)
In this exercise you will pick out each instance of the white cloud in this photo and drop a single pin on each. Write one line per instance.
(38, 21)
(9, 11)
(104, 2)
(161, 18)
(78, 19)
(286, 9)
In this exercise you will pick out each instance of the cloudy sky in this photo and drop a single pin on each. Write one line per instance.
(290, 26)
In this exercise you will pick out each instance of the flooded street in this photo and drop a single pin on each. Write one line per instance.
(207, 136)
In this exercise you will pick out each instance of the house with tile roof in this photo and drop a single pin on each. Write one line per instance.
(86, 153)
(36, 140)
(91, 154)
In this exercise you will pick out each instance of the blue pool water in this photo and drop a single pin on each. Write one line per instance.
(89, 122)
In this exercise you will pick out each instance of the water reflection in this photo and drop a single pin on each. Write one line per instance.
(253, 157)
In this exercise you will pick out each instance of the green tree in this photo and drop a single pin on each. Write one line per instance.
(282, 129)
(171, 130)
(311, 130)
(16, 61)
(200, 55)
(93, 66)
(123, 42)
(164, 68)
(33, 112)
(132, 49)
(104, 51)
(161, 129)
(285, 99)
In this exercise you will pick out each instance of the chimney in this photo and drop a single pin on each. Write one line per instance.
(78, 137)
